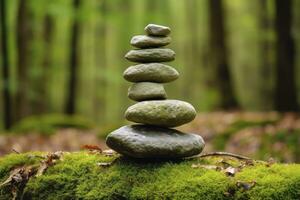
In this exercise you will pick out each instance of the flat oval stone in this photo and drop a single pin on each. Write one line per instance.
(142, 141)
(154, 29)
(145, 41)
(146, 91)
(167, 113)
(152, 72)
(150, 55)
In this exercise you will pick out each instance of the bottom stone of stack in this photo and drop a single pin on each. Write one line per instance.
(146, 141)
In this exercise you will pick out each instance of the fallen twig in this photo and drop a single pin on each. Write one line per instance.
(49, 160)
(219, 153)
(15, 151)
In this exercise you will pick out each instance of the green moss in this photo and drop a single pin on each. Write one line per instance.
(47, 124)
(272, 183)
(77, 176)
(15, 160)
(11, 162)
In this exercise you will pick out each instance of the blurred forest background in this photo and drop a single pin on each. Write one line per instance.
(67, 56)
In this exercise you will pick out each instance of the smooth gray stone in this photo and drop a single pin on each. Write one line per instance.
(147, 91)
(145, 41)
(152, 72)
(154, 29)
(150, 55)
(167, 113)
(142, 141)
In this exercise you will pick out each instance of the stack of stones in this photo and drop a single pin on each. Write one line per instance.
(153, 137)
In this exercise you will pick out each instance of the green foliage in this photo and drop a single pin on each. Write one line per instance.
(287, 139)
(77, 176)
(271, 136)
(47, 124)
(106, 29)
(221, 140)
(108, 128)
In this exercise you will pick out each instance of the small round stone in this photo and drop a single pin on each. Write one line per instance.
(146, 91)
(142, 141)
(159, 30)
(167, 113)
(150, 55)
(145, 41)
(151, 72)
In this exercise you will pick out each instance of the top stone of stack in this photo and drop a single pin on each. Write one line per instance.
(149, 50)
(156, 37)
(157, 30)
(150, 55)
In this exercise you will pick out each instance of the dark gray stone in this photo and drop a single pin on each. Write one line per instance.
(154, 29)
(146, 91)
(145, 41)
(167, 113)
(142, 141)
(152, 72)
(150, 55)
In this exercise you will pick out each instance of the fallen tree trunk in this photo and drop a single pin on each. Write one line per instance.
(96, 175)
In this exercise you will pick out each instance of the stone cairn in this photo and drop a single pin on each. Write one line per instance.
(153, 137)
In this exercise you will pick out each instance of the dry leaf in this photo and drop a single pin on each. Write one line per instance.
(32, 156)
(14, 176)
(224, 163)
(109, 152)
(214, 167)
(270, 162)
(92, 148)
(18, 179)
(230, 193)
(231, 171)
(19, 175)
(249, 163)
(14, 192)
(104, 164)
(245, 185)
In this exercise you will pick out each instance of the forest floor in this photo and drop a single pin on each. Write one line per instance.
(260, 135)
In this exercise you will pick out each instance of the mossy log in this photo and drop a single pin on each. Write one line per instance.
(95, 175)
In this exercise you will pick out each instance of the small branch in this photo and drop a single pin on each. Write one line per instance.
(17, 152)
(222, 154)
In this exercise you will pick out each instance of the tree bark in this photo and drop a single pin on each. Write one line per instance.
(24, 33)
(74, 61)
(218, 54)
(285, 89)
(48, 24)
(266, 61)
(5, 67)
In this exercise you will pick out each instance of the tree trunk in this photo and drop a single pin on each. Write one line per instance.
(48, 24)
(218, 54)
(101, 84)
(285, 91)
(266, 61)
(74, 61)
(23, 37)
(5, 67)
